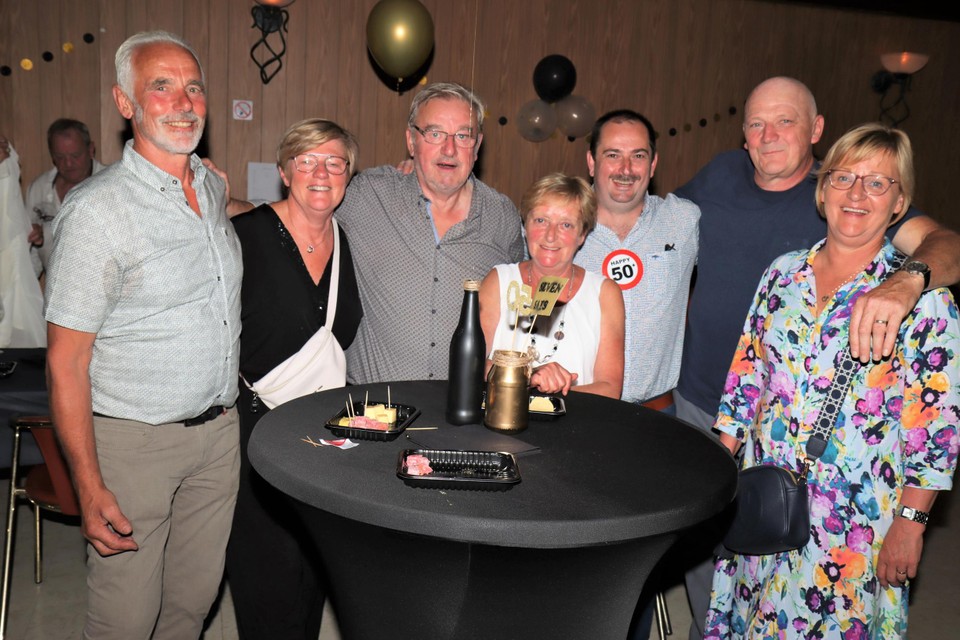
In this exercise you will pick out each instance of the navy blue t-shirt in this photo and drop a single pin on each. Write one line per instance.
(742, 229)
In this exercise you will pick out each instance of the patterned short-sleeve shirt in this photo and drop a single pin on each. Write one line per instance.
(157, 284)
(411, 286)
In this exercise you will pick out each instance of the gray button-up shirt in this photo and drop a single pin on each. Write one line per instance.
(159, 286)
(411, 286)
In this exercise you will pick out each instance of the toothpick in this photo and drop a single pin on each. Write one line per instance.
(366, 400)
(350, 406)
(389, 404)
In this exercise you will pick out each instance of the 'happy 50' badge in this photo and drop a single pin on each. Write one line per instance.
(623, 267)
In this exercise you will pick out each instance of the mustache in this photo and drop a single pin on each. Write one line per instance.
(186, 116)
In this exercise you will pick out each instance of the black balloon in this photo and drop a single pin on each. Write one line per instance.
(554, 78)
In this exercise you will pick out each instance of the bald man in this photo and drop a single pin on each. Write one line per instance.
(756, 205)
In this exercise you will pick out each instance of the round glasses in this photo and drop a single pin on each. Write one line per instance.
(308, 163)
(463, 139)
(873, 185)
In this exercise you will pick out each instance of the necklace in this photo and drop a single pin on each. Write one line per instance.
(294, 226)
(558, 335)
(853, 275)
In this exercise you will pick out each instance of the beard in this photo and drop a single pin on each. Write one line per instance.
(160, 138)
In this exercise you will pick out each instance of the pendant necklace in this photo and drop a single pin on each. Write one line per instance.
(853, 275)
(558, 335)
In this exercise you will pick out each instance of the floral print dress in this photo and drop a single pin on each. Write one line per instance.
(898, 427)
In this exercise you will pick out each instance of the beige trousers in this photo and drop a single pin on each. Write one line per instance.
(178, 486)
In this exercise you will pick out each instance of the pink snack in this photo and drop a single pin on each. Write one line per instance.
(418, 465)
(361, 422)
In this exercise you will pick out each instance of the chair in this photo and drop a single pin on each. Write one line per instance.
(664, 628)
(46, 486)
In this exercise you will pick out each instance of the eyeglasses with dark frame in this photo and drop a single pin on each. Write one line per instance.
(464, 140)
(308, 163)
(873, 185)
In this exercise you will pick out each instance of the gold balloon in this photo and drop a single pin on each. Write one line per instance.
(399, 36)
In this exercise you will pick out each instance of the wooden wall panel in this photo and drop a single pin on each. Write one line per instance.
(51, 105)
(81, 68)
(217, 70)
(684, 63)
(113, 31)
(26, 122)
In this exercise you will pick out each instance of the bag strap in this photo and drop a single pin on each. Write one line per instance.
(334, 277)
(331, 295)
(846, 369)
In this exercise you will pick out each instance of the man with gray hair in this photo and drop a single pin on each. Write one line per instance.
(416, 237)
(143, 314)
(72, 151)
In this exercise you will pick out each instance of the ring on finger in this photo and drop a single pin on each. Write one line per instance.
(901, 573)
(880, 321)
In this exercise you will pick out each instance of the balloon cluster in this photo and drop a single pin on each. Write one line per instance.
(399, 37)
(554, 79)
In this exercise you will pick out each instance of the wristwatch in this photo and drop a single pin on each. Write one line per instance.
(914, 514)
(918, 268)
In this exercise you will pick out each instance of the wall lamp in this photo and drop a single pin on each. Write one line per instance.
(897, 70)
(269, 16)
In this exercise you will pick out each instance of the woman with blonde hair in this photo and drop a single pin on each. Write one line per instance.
(580, 345)
(288, 295)
(894, 443)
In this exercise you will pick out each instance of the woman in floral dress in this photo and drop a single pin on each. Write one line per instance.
(895, 441)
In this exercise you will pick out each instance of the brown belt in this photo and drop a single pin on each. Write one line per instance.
(661, 402)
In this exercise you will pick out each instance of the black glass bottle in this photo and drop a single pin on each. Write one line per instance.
(467, 359)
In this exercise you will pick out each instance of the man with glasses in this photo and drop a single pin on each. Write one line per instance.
(416, 237)
(72, 151)
(755, 206)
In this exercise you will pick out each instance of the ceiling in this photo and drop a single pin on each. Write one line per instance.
(948, 10)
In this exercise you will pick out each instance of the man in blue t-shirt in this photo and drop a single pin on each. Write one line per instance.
(755, 206)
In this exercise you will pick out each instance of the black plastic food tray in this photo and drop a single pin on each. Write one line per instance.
(481, 470)
(559, 409)
(406, 414)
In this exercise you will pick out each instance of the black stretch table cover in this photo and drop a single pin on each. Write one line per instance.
(22, 393)
(607, 472)
(563, 554)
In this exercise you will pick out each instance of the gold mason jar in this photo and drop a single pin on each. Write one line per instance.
(508, 392)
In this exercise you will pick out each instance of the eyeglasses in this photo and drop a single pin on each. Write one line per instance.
(464, 140)
(308, 163)
(872, 185)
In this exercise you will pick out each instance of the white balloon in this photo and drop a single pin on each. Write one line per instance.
(536, 120)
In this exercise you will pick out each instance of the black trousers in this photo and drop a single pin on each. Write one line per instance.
(275, 574)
